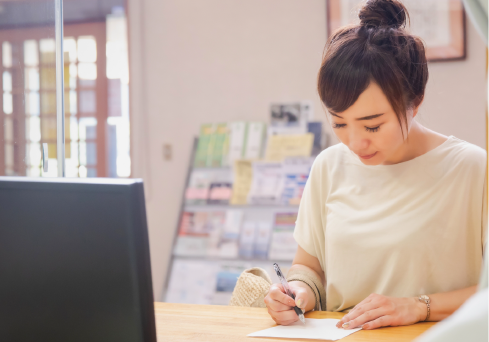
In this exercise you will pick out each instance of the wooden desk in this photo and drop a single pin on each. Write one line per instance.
(184, 322)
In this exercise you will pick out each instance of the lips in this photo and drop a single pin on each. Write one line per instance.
(368, 156)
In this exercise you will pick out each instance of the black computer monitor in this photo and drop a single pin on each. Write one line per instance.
(74, 261)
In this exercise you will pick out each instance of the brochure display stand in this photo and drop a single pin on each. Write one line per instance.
(237, 212)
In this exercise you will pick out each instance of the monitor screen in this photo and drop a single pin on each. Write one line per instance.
(74, 261)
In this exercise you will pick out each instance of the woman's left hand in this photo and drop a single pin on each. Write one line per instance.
(377, 311)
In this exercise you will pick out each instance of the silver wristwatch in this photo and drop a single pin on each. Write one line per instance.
(425, 299)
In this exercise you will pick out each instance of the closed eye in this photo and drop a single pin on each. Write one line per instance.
(335, 125)
(372, 129)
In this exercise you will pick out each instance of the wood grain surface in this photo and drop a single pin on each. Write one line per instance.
(185, 322)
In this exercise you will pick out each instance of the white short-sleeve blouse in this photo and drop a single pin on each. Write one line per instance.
(402, 230)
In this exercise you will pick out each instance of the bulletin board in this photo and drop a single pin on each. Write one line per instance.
(440, 24)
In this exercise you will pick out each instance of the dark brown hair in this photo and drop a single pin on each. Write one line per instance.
(379, 49)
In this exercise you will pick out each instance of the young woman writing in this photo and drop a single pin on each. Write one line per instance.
(391, 223)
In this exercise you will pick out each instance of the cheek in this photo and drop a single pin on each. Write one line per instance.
(389, 137)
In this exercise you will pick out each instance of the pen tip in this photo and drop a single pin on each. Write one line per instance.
(303, 320)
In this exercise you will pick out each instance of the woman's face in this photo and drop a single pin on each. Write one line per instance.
(370, 128)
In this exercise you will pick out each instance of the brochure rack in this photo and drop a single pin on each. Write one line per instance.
(215, 241)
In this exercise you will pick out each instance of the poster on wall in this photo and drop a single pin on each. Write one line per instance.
(439, 23)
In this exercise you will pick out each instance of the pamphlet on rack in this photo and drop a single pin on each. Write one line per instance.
(200, 234)
(230, 238)
(255, 140)
(267, 183)
(209, 186)
(243, 176)
(290, 118)
(296, 172)
(283, 245)
(280, 147)
(237, 133)
(202, 152)
(218, 145)
(192, 281)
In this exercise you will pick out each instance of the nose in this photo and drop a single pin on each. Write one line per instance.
(358, 144)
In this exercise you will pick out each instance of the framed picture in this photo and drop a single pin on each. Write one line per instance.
(440, 23)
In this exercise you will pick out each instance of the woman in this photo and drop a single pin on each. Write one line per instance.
(390, 225)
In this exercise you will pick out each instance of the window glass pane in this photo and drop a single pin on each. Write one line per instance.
(48, 77)
(87, 101)
(87, 71)
(85, 125)
(33, 129)
(33, 171)
(8, 129)
(48, 130)
(32, 78)
(91, 133)
(73, 107)
(52, 152)
(87, 49)
(32, 103)
(48, 103)
(83, 154)
(73, 128)
(82, 171)
(69, 44)
(91, 172)
(33, 155)
(119, 161)
(52, 163)
(71, 167)
(91, 153)
(31, 56)
(8, 106)
(67, 103)
(48, 51)
(7, 54)
(73, 76)
(9, 155)
(7, 81)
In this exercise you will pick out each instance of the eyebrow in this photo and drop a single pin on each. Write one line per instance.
(370, 117)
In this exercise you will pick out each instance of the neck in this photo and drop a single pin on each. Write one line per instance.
(419, 141)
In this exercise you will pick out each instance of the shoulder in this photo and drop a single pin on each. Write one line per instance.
(466, 154)
(335, 152)
(330, 159)
(459, 154)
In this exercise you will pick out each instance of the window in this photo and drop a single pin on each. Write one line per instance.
(96, 100)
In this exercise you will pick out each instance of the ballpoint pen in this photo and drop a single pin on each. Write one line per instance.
(280, 275)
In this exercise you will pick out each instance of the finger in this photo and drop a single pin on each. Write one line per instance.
(283, 317)
(357, 311)
(276, 305)
(383, 321)
(368, 316)
(277, 293)
(301, 298)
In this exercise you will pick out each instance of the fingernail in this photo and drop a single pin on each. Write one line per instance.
(345, 325)
(365, 326)
(299, 302)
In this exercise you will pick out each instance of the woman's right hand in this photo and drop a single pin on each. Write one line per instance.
(280, 306)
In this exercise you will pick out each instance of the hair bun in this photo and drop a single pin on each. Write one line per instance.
(376, 13)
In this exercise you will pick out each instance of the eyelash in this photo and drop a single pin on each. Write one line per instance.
(368, 129)
(372, 129)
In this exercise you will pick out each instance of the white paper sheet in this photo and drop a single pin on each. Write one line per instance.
(319, 329)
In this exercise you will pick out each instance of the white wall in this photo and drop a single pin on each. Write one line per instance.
(455, 100)
(197, 61)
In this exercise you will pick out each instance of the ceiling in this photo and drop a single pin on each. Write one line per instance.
(19, 13)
